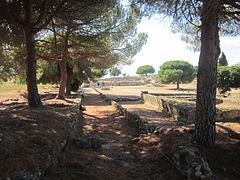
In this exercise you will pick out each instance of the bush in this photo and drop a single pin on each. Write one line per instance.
(228, 77)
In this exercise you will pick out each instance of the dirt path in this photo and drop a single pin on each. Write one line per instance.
(121, 156)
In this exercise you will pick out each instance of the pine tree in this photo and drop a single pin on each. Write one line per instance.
(223, 60)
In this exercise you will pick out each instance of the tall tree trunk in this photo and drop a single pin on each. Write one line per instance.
(69, 78)
(34, 99)
(63, 68)
(68, 86)
(206, 77)
(63, 80)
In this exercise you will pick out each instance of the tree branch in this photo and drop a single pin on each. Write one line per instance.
(48, 20)
(42, 14)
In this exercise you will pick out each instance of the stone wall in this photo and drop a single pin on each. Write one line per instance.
(134, 119)
(153, 100)
(185, 156)
(182, 111)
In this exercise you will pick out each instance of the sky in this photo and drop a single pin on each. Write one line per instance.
(163, 45)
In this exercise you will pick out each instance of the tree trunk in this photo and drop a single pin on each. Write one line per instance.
(69, 78)
(68, 86)
(63, 68)
(177, 85)
(34, 99)
(206, 77)
(63, 80)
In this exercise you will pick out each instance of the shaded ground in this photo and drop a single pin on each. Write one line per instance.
(224, 159)
(27, 136)
(30, 138)
(122, 156)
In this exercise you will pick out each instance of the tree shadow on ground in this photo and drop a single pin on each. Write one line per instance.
(48, 96)
(72, 96)
(91, 100)
(223, 159)
(230, 116)
(12, 106)
(130, 102)
(229, 132)
(121, 157)
(58, 105)
(224, 163)
(28, 135)
(182, 89)
(123, 97)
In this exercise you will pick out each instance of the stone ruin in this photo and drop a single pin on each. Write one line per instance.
(182, 107)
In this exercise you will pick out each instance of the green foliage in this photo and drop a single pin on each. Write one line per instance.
(81, 70)
(8, 68)
(145, 69)
(171, 75)
(176, 71)
(48, 73)
(186, 20)
(100, 35)
(223, 60)
(96, 44)
(5, 70)
(189, 33)
(228, 77)
(20, 80)
(114, 71)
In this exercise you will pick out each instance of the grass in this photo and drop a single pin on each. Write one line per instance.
(13, 86)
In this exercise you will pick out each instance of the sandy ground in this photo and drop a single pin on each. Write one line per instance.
(120, 156)
(136, 90)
